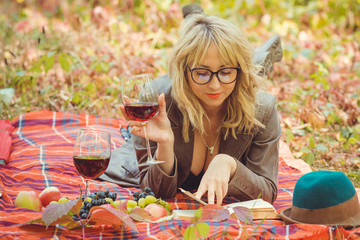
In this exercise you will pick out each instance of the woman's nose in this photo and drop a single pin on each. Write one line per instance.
(214, 82)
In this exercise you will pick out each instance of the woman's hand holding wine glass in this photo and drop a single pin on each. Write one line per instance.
(141, 108)
(158, 128)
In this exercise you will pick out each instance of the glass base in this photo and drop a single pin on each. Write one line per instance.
(150, 162)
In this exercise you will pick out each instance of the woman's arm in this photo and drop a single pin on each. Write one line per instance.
(258, 176)
(164, 185)
(161, 178)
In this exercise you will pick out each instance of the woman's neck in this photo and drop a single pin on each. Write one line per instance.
(215, 117)
(214, 113)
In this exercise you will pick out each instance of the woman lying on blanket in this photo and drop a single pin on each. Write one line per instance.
(215, 131)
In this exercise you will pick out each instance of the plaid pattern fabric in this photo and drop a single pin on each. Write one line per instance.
(41, 156)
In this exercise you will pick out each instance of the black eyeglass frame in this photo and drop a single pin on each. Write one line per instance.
(212, 74)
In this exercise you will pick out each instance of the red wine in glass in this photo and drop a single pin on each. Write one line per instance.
(91, 166)
(92, 151)
(141, 111)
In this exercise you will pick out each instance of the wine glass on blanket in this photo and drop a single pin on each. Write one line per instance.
(140, 98)
(91, 155)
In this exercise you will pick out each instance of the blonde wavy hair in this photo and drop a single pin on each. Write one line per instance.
(197, 33)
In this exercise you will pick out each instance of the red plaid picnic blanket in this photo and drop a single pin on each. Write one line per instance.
(41, 156)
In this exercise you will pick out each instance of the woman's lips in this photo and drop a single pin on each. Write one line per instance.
(213, 95)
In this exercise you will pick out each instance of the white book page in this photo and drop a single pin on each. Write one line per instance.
(251, 204)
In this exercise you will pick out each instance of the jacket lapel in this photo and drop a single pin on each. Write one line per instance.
(235, 147)
(182, 150)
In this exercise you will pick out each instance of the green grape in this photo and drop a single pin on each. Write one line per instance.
(116, 203)
(165, 204)
(109, 200)
(168, 207)
(63, 200)
(142, 202)
(53, 202)
(161, 202)
(70, 213)
(150, 199)
(131, 204)
(128, 210)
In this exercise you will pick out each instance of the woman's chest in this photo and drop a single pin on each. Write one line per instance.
(205, 149)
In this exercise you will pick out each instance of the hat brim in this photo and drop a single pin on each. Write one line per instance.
(285, 215)
(351, 222)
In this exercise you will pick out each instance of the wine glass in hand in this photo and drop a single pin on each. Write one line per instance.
(91, 155)
(140, 99)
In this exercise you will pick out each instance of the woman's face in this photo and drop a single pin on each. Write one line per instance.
(212, 94)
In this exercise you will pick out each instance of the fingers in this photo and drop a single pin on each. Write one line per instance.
(218, 193)
(126, 99)
(123, 112)
(215, 190)
(225, 190)
(211, 196)
(201, 190)
(136, 123)
(126, 116)
(138, 131)
(162, 103)
(122, 107)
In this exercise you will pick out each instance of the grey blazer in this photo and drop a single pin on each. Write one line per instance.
(256, 152)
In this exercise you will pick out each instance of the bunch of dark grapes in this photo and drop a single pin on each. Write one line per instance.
(95, 199)
(142, 194)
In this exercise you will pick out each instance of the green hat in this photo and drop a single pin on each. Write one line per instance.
(324, 197)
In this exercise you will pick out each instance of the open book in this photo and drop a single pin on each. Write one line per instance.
(260, 209)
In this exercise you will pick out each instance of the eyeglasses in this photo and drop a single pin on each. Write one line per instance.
(225, 75)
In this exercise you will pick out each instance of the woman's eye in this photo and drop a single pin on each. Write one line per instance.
(225, 72)
(203, 73)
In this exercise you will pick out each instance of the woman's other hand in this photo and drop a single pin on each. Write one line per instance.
(216, 178)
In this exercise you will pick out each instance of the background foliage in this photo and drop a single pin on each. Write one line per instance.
(70, 56)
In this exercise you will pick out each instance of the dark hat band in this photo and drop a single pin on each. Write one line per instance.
(334, 215)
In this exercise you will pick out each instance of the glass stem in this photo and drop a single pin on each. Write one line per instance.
(149, 158)
(86, 188)
(83, 230)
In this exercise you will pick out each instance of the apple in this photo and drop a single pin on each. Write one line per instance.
(49, 194)
(28, 199)
(156, 211)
